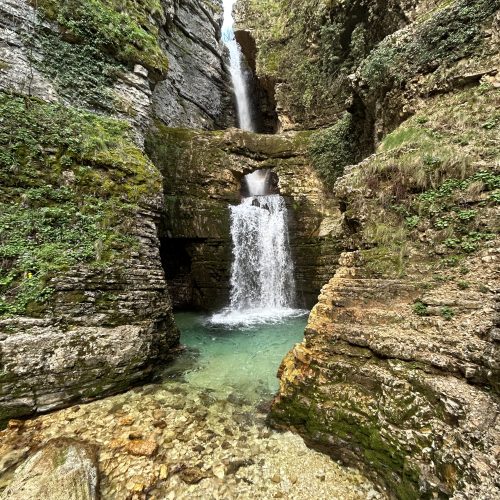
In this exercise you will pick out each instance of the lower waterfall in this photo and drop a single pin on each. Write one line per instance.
(262, 272)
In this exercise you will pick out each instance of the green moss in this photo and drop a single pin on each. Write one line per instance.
(70, 181)
(332, 149)
(127, 28)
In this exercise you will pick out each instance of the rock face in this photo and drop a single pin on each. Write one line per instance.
(84, 304)
(400, 367)
(196, 92)
(62, 469)
(203, 174)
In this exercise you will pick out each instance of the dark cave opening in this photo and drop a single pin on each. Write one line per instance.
(177, 264)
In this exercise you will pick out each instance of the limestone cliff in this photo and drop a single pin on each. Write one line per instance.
(400, 365)
(84, 305)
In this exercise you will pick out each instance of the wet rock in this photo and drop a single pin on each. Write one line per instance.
(160, 424)
(234, 466)
(192, 475)
(61, 470)
(15, 424)
(219, 471)
(177, 405)
(8, 460)
(135, 435)
(141, 447)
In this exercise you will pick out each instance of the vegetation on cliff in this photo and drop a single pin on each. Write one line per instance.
(433, 181)
(323, 53)
(97, 41)
(69, 183)
(127, 29)
(333, 148)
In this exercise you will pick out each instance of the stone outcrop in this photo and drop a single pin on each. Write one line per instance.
(196, 92)
(401, 396)
(203, 172)
(93, 330)
(399, 369)
(62, 469)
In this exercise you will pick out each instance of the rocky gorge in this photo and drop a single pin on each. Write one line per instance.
(379, 123)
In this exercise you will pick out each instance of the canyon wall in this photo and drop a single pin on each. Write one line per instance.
(398, 372)
(84, 305)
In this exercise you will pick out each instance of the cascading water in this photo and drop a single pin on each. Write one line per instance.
(262, 279)
(237, 76)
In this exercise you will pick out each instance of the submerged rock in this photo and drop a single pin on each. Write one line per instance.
(63, 469)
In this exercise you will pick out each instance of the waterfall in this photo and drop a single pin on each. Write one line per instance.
(262, 274)
(237, 76)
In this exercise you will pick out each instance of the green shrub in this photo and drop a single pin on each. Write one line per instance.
(420, 309)
(83, 73)
(447, 313)
(332, 149)
(452, 33)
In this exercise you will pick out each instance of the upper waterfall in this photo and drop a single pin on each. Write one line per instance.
(238, 78)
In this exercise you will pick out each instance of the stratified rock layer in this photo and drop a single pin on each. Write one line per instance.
(94, 324)
(400, 367)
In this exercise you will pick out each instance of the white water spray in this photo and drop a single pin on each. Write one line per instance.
(237, 76)
(262, 274)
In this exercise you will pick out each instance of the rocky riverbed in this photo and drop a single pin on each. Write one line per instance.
(174, 441)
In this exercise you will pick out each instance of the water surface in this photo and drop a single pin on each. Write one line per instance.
(236, 360)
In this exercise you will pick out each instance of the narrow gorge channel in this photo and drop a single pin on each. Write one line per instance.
(249, 249)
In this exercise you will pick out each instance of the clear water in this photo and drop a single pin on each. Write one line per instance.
(234, 360)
